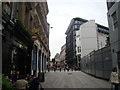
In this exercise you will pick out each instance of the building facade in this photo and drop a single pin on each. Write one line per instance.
(90, 37)
(57, 60)
(16, 43)
(114, 25)
(74, 26)
(25, 37)
(62, 56)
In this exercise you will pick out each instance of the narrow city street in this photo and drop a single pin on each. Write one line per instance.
(79, 36)
(73, 79)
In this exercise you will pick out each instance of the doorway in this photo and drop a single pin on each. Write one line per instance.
(19, 60)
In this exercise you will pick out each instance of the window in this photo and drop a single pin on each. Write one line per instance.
(76, 22)
(114, 18)
(79, 49)
(74, 44)
(75, 26)
(80, 22)
(74, 38)
(78, 36)
(74, 33)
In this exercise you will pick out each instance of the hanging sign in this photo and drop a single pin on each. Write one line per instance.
(35, 30)
(34, 37)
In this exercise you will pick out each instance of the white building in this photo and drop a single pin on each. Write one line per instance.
(89, 37)
(62, 55)
(57, 59)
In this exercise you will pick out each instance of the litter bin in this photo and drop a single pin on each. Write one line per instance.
(41, 76)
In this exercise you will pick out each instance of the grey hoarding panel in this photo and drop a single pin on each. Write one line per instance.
(106, 54)
(107, 65)
(92, 68)
(107, 74)
(98, 56)
(99, 69)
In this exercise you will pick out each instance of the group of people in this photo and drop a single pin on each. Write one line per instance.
(28, 82)
(60, 69)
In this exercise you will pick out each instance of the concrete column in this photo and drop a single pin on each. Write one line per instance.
(37, 62)
(45, 64)
(32, 63)
(41, 63)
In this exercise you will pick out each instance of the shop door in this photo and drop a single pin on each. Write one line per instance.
(19, 59)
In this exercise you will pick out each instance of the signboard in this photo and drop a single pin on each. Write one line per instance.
(34, 37)
(35, 30)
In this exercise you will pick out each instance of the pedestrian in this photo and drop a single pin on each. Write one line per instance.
(64, 68)
(60, 69)
(34, 85)
(21, 84)
(16, 76)
(114, 79)
(28, 78)
(67, 68)
(54, 69)
(48, 69)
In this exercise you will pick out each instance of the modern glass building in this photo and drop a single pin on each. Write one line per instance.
(74, 26)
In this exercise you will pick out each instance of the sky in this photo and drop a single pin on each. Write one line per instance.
(61, 13)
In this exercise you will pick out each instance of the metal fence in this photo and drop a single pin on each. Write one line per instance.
(98, 63)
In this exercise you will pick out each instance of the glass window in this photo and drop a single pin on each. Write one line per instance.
(74, 33)
(74, 38)
(75, 26)
(78, 26)
(76, 22)
(74, 44)
(114, 17)
(79, 22)
(115, 25)
(78, 49)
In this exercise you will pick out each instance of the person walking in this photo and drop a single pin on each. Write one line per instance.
(28, 78)
(60, 69)
(64, 68)
(34, 84)
(21, 84)
(48, 69)
(16, 76)
(114, 79)
(54, 69)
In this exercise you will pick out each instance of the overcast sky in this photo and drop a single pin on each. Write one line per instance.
(62, 11)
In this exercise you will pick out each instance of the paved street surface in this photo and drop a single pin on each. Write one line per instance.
(73, 79)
